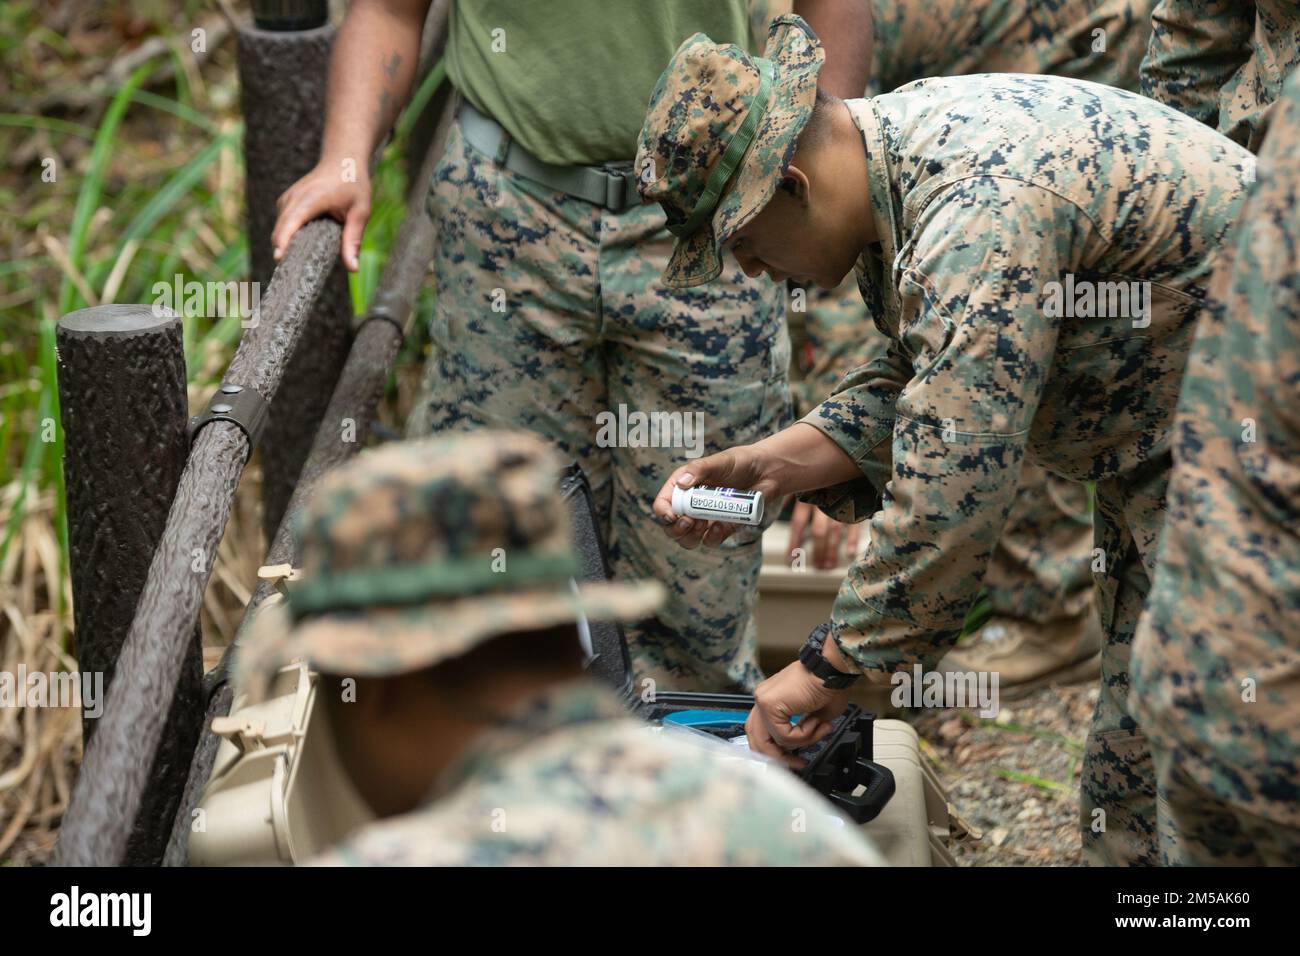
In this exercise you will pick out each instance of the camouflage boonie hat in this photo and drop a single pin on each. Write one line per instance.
(720, 134)
(419, 551)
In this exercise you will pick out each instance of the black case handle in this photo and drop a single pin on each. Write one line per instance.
(845, 764)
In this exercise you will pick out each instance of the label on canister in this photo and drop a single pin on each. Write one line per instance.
(719, 504)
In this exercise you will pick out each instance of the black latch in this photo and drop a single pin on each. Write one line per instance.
(844, 772)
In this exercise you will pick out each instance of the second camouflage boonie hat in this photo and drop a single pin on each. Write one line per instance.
(719, 135)
(418, 551)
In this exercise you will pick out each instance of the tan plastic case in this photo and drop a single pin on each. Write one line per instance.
(277, 793)
(913, 829)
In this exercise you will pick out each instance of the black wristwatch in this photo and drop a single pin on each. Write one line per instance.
(810, 656)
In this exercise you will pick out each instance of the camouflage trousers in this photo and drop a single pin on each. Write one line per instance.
(1117, 789)
(1099, 40)
(1199, 828)
(551, 317)
(1041, 569)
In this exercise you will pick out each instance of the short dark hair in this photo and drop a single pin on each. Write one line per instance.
(818, 128)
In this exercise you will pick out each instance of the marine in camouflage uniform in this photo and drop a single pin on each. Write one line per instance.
(920, 38)
(401, 573)
(1216, 660)
(549, 314)
(1223, 62)
(1041, 574)
(985, 192)
(586, 329)
(1227, 777)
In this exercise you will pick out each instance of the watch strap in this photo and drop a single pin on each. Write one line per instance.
(810, 656)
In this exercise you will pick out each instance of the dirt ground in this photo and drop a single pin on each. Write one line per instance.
(1014, 779)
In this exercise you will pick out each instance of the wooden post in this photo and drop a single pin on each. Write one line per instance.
(125, 424)
(283, 67)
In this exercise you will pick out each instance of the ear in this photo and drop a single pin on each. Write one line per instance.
(795, 182)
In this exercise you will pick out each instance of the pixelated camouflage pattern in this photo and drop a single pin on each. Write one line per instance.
(699, 103)
(973, 234)
(574, 781)
(827, 341)
(1216, 666)
(1117, 798)
(586, 327)
(915, 39)
(1041, 569)
(920, 38)
(1223, 62)
(1198, 828)
(474, 528)
(985, 189)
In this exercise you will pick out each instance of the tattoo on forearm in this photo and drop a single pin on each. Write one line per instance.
(386, 95)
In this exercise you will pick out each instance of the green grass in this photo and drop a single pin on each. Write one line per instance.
(980, 612)
(1029, 778)
(152, 197)
(92, 184)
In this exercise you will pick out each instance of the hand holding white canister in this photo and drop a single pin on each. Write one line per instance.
(732, 505)
(795, 460)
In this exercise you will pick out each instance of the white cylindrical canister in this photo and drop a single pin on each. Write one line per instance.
(719, 504)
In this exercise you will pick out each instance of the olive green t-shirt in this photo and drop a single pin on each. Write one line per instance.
(570, 80)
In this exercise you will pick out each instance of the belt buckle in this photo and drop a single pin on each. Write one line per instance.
(615, 191)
